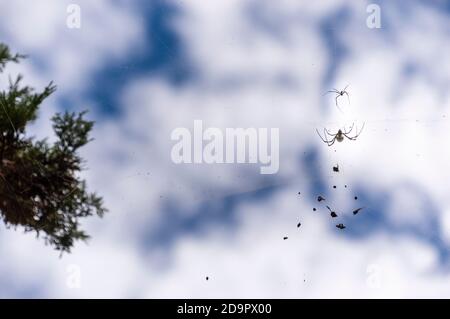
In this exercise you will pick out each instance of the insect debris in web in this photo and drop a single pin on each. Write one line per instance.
(332, 213)
(356, 211)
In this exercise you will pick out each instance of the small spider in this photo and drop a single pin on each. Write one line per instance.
(339, 94)
(339, 136)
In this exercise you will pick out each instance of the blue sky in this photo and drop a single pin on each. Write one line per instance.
(143, 69)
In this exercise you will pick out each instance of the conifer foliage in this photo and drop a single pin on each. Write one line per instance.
(40, 187)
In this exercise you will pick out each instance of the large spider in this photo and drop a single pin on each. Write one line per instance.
(339, 94)
(339, 136)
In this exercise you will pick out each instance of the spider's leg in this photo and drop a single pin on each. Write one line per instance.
(325, 130)
(350, 137)
(323, 139)
(326, 137)
(332, 141)
(317, 131)
(360, 131)
(329, 142)
(348, 96)
(346, 87)
(332, 91)
(353, 138)
(337, 105)
(351, 128)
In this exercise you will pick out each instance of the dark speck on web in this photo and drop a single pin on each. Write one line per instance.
(298, 225)
(333, 214)
(334, 186)
(356, 211)
(340, 226)
(320, 198)
(356, 197)
(207, 278)
(284, 238)
(314, 209)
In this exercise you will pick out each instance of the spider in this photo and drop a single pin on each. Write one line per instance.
(339, 136)
(339, 94)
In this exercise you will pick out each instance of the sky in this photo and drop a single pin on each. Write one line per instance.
(146, 68)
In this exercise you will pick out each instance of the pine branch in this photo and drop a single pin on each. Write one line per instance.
(39, 185)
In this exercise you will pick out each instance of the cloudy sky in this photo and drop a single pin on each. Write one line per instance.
(145, 68)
